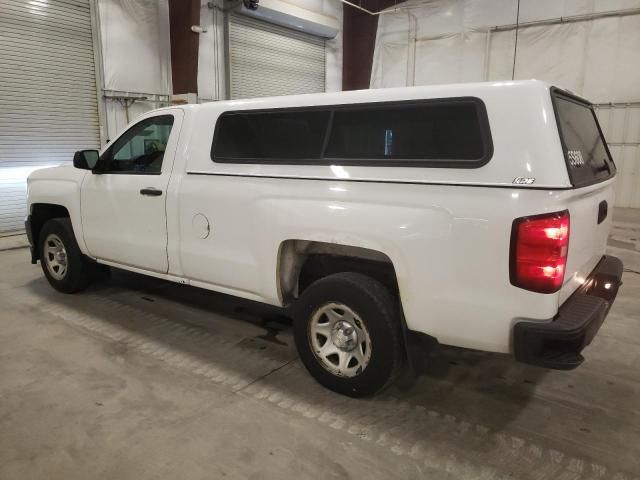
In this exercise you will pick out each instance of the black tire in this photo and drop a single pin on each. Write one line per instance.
(79, 270)
(380, 313)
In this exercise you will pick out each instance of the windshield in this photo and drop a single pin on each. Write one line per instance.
(586, 153)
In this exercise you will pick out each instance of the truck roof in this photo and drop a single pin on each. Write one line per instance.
(476, 89)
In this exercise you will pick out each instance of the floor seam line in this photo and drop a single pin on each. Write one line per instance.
(262, 377)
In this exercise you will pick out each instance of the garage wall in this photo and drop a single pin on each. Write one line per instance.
(621, 125)
(53, 56)
(48, 98)
(445, 41)
(266, 60)
(136, 57)
(211, 56)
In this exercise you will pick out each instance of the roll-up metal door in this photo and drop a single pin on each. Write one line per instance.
(48, 101)
(266, 60)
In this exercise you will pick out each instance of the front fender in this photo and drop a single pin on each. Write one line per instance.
(59, 186)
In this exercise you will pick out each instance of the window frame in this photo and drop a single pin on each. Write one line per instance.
(322, 160)
(108, 152)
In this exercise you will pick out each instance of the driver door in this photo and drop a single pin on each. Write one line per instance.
(123, 201)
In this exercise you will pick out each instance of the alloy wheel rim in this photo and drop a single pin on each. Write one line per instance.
(55, 256)
(340, 340)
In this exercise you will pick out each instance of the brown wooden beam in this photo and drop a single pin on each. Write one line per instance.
(184, 45)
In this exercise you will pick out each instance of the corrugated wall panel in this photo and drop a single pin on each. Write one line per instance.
(267, 60)
(47, 93)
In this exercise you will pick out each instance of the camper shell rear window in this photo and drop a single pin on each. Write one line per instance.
(452, 132)
(585, 150)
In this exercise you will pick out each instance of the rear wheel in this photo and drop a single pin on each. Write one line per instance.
(64, 265)
(347, 331)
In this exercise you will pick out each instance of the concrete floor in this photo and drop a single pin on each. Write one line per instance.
(140, 379)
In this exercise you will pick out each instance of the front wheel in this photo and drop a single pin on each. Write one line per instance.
(347, 332)
(64, 265)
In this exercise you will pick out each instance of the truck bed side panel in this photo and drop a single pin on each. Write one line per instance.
(450, 254)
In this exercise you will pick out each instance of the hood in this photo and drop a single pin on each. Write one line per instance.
(64, 172)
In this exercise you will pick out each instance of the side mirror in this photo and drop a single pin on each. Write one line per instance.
(85, 159)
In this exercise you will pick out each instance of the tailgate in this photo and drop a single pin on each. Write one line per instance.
(591, 170)
(590, 216)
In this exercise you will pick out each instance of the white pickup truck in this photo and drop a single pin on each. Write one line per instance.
(473, 215)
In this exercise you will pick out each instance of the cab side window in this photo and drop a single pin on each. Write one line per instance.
(140, 150)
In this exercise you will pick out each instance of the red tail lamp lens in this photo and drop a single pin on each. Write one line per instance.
(539, 247)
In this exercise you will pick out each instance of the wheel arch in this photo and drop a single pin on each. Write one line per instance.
(40, 214)
(301, 262)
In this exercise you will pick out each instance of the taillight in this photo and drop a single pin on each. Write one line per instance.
(539, 247)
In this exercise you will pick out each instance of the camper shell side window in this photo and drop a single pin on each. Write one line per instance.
(452, 132)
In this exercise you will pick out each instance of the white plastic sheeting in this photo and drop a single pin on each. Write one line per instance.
(136, 54)
(136, 49)
(443, 41)
(621, 125)
(211, 60)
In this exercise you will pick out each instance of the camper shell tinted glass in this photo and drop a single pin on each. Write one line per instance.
(276, 134)
(586, 153)
(438, 133)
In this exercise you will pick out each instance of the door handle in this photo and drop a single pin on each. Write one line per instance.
(151, 192)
